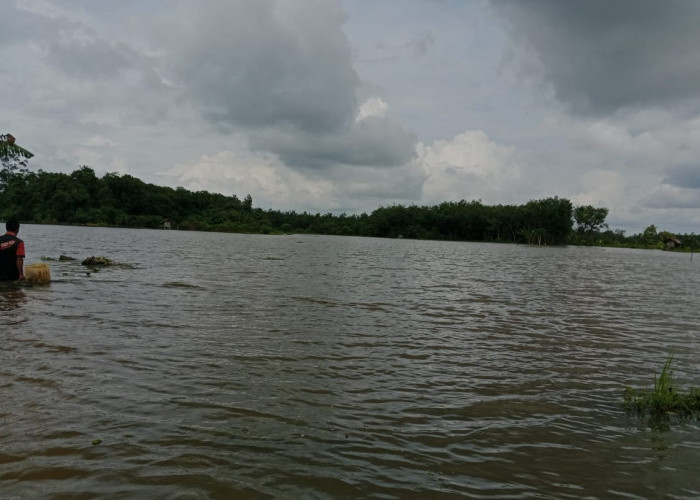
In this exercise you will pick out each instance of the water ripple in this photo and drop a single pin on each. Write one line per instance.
(321, 367)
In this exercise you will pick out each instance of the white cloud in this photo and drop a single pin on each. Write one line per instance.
(374, 106)
(266, 179)
(655, 137)
(601, 188)
(470, 166)
(274, 185)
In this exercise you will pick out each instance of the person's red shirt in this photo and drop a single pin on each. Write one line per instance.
(20, 247)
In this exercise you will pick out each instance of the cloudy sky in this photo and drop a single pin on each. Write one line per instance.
(348, 105)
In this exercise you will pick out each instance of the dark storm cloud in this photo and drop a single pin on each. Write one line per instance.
(686, 176)
(602, 55)
(372, 142)
(263, 63)
(281, 72)
(665, 198)
(93, 59)
(75, 49)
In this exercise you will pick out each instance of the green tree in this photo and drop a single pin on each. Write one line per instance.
(247, 203)
(589, 221)
(650, 237)
(547, 220)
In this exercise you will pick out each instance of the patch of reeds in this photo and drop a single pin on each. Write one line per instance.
(664, 399)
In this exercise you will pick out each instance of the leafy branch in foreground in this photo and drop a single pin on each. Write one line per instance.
(13, 158)
(664, 399)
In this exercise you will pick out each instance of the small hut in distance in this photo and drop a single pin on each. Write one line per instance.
(671, 242)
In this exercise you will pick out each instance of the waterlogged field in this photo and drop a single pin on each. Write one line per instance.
(246, 366)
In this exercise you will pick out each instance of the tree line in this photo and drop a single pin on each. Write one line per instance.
(82, 197)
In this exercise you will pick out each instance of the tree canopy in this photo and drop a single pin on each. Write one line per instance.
(589, 220)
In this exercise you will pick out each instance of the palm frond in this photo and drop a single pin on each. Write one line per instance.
(10, 150)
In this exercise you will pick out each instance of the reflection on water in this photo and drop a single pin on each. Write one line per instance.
(241, 366)
(11, 298)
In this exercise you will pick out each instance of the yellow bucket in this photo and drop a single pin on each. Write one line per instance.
(37, 273)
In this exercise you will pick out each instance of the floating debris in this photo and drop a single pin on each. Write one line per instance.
(37, 273)
(60, 258)
(178, 284)
(98, 261)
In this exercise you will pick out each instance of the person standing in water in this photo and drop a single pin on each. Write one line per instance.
(11, 253)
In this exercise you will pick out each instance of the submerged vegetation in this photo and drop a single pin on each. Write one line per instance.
(98, 261)
(664, 398)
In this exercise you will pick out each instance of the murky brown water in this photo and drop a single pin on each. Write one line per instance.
(238, 366)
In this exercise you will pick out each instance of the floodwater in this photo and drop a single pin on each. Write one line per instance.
(246, 366)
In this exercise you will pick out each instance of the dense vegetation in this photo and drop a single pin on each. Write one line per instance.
(122, 200)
